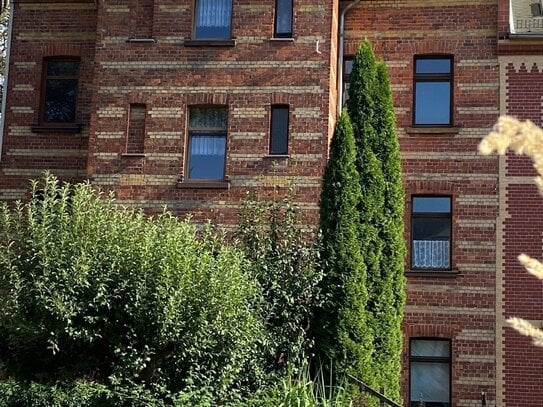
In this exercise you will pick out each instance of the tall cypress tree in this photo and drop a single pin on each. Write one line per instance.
(342, 330)
(381, 212)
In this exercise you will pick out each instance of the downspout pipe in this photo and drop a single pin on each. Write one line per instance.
(6, 73)
(340, 54)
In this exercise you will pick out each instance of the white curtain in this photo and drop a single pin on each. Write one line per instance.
(207, 145)
(431, 254)
(214, 13)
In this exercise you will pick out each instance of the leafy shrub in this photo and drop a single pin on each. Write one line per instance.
(93, 292)
(285, 261)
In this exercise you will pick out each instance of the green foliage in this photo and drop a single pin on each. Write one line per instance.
(304, 390)
(94, 292)
(342, 329)
(380, 213)
(284, 260)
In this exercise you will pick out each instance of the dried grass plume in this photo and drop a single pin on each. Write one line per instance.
(520, 138)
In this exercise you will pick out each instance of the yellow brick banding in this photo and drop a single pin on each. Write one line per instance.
(479, 62)
(271, 180)
(117, 9)
(255, 8)
(311, 8)
(451, 289)
(106, 156)
(56, 36)
(475, 245)
(450, 155)
(12, 193)
(476, 335)
(306, 157)
(249, 112)
(110, 134)
(247, 135)
(22, 109)
(424, 4)
(36, 152)
(478, 110)
(450, 177)
(475, 381)
(25, 65)
(165, 135)
(307, 112)
(251, 40)
(210, 64)
(478, 86)
(307, 136)
(476, 223)
(476, 358)
(211, 89)
(476, 267)
(168, 8)
(427, 309)
(482, 200)
(23, 88)
(432, 33)
(163, 156)
(38, 6)
(20, 131)
(38, 172)
(166, 112)
(111, 112)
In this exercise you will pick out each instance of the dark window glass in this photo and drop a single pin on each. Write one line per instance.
(433, 91)
(213, 19)
(279, 130)
(207, 143)
(348, 63)
(431, 233)
(60, 91)
(429, 373)
(283, 18)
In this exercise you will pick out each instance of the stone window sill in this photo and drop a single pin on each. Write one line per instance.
(281, 39)
(141, 40)
(432, 273)
(210, 43)
(202, 184)
(431, 130)
(277, 156)
(72, 128)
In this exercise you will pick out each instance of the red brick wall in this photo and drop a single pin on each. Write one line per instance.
(459, 305)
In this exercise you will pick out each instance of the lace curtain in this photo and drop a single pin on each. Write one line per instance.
(214, 13)
(431, 254)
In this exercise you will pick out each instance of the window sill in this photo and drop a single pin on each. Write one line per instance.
(432, 273)
(202, 184)
(277, 156)
(209, 43)
(73, 128)
(141, 40)
(133, 155)
(432, 130)
(281, 39)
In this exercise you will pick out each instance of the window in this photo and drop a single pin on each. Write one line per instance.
(279, 130)
(347, 69)
(207, 143)
(213, 19)
(430, 373)
(433, 91)
(283, 19)
(59, 91)
(431, 232)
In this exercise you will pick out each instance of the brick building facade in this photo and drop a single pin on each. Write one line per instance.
(155, 90)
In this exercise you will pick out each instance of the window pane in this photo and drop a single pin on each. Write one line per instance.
(208, 117)
(213, 18)
(62, 68)
(207, 157)
(432, 204)
(430, 383)
(348, 66)
(60, 98)
(433, 65)
(279, 130)
(430, 347)
(433, 103)
(431, 228)
(283, 17)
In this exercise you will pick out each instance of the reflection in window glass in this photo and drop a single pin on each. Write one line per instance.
(433, 91)
(279, 130)
(429, 373)
(60, 93)
(283, 18)
(213, 19)
(431, 233)
(207, 143)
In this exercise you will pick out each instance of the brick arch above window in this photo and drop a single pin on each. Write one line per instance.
(61, 49)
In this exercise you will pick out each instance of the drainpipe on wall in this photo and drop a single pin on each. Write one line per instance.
(6, 72)
(340, 55)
